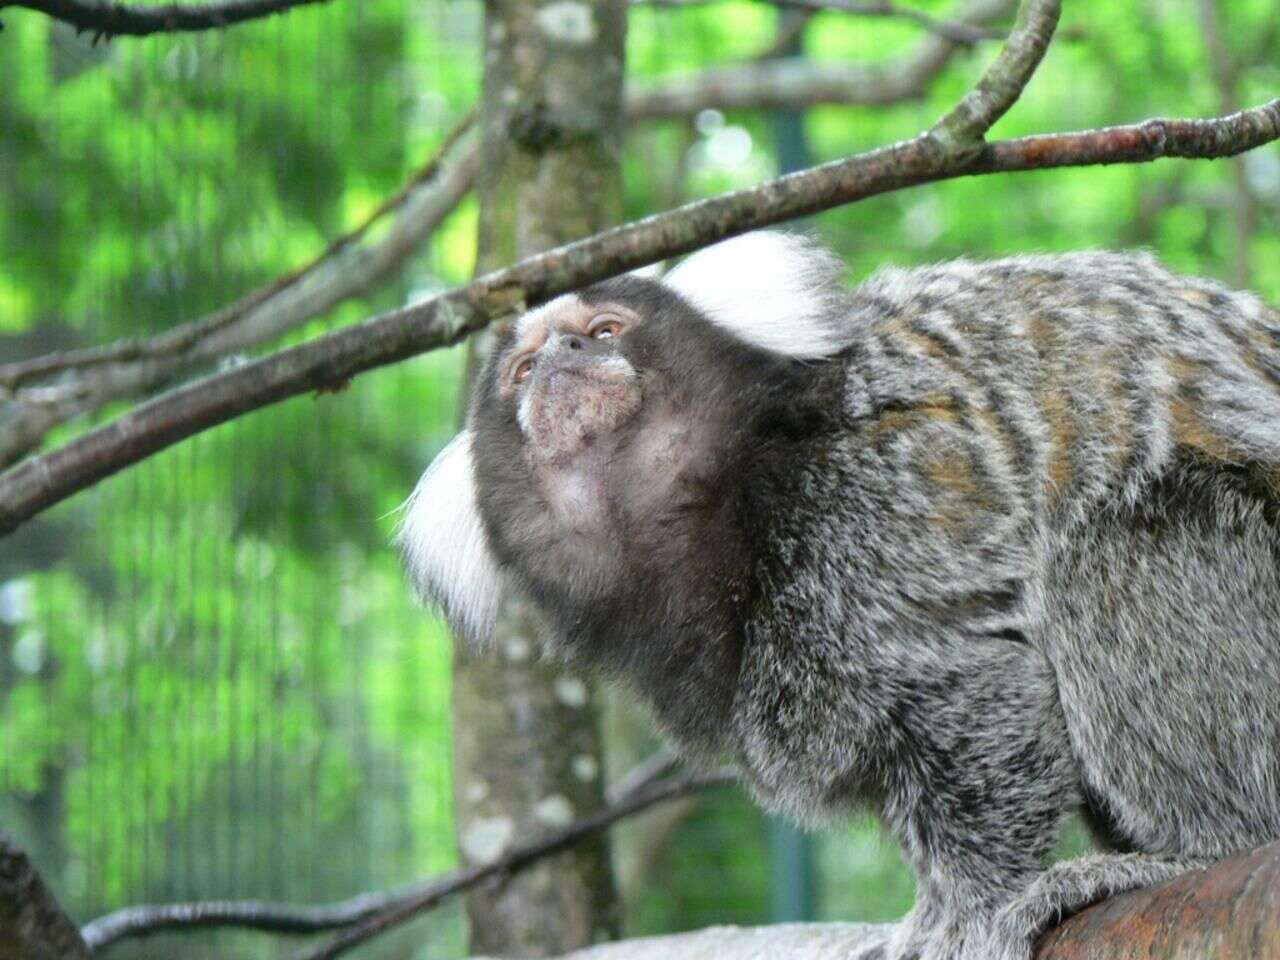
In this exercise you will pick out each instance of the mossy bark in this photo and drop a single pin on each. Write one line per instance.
(526, 733)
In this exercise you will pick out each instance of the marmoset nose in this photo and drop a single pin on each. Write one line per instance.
(583, 346)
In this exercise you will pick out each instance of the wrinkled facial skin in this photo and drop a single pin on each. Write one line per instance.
(566, 378)
(570, 383)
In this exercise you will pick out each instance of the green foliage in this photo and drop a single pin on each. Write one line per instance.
(221, 687)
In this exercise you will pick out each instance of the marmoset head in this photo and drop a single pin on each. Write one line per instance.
(605, 423)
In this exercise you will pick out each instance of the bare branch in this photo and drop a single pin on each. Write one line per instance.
(181, 340)
(371, 914)
(40, 394)
(802, 83)
(1226, 910)
(32, 924)
(793, 82)
(47, 391)
(1002, 82)
(110, 19)
(637, 790)
(957, 31)
(330, 360)
(146, 919)
(410, 907)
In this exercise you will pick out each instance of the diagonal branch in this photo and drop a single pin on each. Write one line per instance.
(373, 913)
(330, 360)
(39, 394)
(410, 907)
(110, 19)
(182, 339)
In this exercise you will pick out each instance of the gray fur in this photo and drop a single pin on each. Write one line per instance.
(1011, 553)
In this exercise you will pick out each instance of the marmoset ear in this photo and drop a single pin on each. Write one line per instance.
(444, 544)
(779, 292)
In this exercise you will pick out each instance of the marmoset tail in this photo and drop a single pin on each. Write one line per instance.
(975, 545)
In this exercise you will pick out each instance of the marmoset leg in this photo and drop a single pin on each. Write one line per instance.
(978, 799)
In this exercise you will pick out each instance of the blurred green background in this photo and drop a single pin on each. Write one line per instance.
(213, 682)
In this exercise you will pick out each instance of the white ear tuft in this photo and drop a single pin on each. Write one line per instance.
(777, 291)
(444, 545)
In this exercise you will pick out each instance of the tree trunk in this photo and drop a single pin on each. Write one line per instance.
(32, 924)
(527, 753)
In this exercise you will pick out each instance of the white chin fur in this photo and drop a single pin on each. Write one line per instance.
(777, 291)
(444, 545)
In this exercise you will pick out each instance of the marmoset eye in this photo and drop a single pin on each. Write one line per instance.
(606, 327)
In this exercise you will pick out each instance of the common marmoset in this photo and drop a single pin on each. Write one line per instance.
(975, 544)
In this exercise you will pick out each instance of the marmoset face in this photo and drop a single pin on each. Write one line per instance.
(583, 410)
(605, 424)
(568, 377)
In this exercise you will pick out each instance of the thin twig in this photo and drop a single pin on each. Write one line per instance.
(637, 790)
(1001, 83)
(512, 862)
(954, 30)
(180, 339)
(52, 390)
(109, 19)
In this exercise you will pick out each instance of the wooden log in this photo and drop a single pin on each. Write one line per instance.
(1230, 911)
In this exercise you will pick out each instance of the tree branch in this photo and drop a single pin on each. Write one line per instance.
(32, 924)
(330, 360)
(143, 920)
(1227, 911)
(41, 481)
(109, 19)
(802, 83)
(957, 31)
(371, 914)
(554, 842)
(182, 339)
(39, 394)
